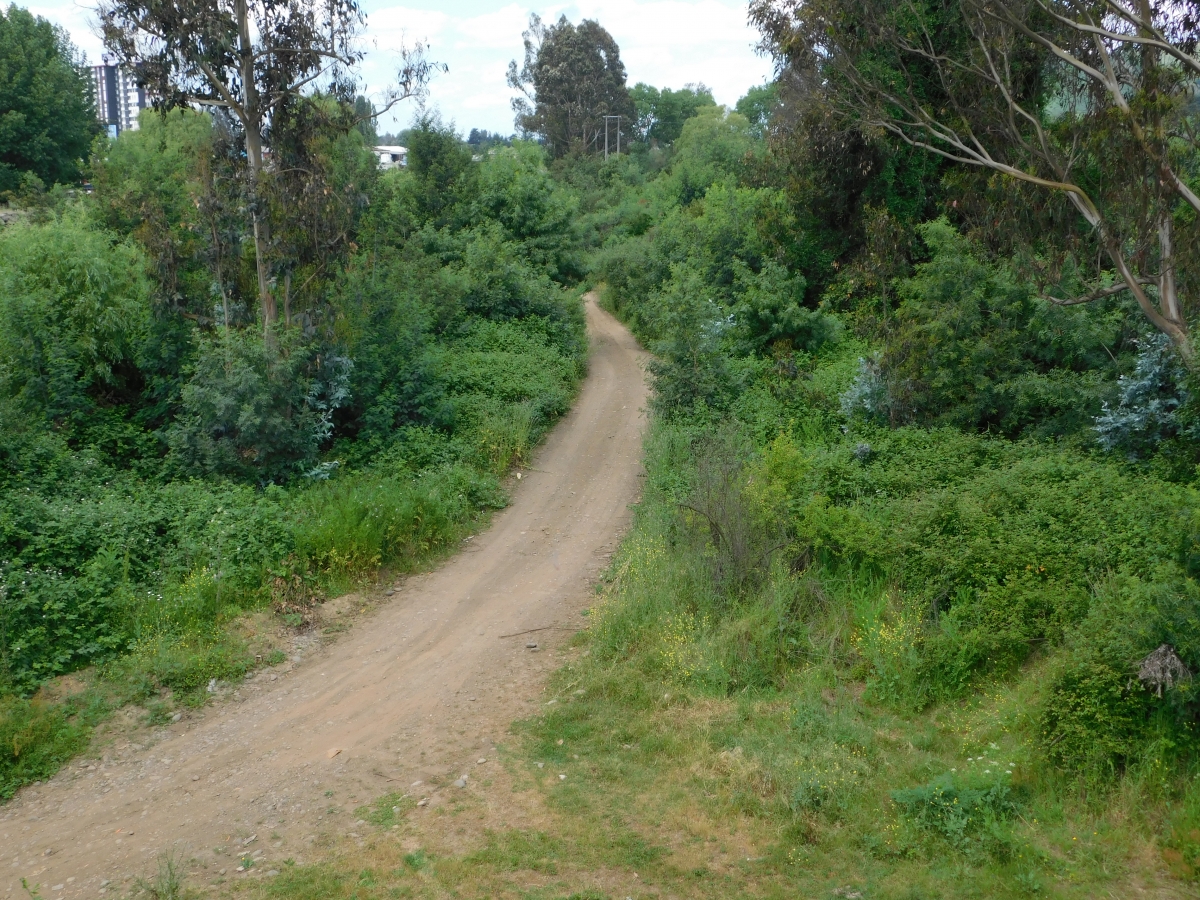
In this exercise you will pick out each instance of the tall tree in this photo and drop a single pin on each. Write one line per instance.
(661, 114)
(1090, 100)
(257, 59)
(571, 79)
(47, 117)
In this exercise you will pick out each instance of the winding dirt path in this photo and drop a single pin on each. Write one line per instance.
(418, 689)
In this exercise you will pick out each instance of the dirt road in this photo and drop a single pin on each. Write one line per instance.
(417, 690)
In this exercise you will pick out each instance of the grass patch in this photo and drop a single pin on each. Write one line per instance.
(36, 738)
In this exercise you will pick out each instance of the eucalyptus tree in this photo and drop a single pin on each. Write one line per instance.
(1094, 101)
(257, 60)
(571, 79)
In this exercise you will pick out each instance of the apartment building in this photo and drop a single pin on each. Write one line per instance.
(118, 98)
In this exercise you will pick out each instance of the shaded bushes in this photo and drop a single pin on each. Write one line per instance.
(972, 346)
(258, 408)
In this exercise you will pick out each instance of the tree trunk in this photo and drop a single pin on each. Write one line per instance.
(287, 299)
(253, 125)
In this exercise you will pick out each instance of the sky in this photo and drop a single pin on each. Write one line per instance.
(666, 43)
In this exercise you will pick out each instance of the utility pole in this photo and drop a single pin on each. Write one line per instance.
(606, 118)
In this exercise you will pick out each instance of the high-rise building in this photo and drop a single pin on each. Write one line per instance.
(118, 97)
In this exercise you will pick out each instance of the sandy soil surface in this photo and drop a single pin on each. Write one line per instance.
(418, 688)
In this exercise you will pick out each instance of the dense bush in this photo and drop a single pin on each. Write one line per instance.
(74, 323)
(900, 531)
(972, 346)
(167, 464)
(258, 407)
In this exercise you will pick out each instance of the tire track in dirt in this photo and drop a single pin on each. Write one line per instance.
(411, 692)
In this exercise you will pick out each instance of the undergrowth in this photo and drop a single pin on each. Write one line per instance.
(165, 475)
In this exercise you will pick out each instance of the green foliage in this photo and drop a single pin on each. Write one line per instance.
(352, 526)
(661, 114)
(713, 144)
(440, 176)
(759, 105)
(771, 312)
(254, 407)
(74, 322)
(689, 368)
(516, 190)
(956, 811)
(149, 184)
(390, 305)
(974, 347)
(35, 739)
(1097, 716)
(48, 119)
(1153, 409)
(954, 557)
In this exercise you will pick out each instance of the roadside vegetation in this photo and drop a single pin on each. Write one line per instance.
(910, 607)
(886, 621)
(169, 464)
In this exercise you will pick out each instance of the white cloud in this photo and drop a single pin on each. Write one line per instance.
(79, 19)
(499, 30)
(393, 27)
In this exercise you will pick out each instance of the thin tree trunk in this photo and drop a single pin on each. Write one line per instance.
(253, 126)
(287, 299)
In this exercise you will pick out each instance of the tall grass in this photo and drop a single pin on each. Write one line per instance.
(352, 526)
(801, 707)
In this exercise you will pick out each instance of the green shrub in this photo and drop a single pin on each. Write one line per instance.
(390, 304)
(354, 524)
(1096, 716)
(74, 320)
(995, 545)
(255, 408)
(516, 189)
(973, 346)
(85, 572)
(954, 810)
(712, 145)
(35, 740)
(771, 312)
(690, 367)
